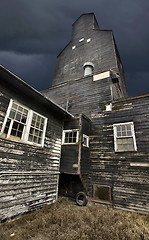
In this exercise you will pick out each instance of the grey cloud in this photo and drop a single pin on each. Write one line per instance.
(43, 28)
(36, 69)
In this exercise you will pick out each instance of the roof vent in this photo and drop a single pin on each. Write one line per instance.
(88, 68)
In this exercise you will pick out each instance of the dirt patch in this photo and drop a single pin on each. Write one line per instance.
(66, 221)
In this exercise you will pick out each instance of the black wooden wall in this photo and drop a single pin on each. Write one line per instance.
(127, 173)
(84, 95)
(75, 158)
(28, 174)
(88, 44)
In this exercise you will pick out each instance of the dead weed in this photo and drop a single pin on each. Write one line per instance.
(66, 221)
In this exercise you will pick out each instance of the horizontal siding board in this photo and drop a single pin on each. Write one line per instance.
(129, 184)
(29, 174)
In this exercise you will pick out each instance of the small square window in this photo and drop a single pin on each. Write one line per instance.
(85, 141)
(124, 137)
(70, 136)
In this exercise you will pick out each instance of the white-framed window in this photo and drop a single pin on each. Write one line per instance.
(70, 136)
(24, 125)
(124, 137)
(85, 140)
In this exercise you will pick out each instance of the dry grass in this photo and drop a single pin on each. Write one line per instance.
(66, 221)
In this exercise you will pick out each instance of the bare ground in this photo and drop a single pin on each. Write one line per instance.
(66, 221)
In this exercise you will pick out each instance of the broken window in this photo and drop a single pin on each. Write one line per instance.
(70, 136)
(16, 121)
(23, 124)
(124, 137)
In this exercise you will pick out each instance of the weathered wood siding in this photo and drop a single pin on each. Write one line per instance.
(88, 43)
(127, 173)
(70, 152)
(75, 157)
(29, 174)
(84, 95)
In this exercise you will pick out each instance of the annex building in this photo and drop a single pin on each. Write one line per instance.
(83, 135)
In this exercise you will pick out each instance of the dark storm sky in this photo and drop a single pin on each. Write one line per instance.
(33, 32)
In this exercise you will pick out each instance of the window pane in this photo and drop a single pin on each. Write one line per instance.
(131, 147)
(70, 135)
(35, 139)
(123, 127)
(23, 119)
(20, 109)
(130, 140)
(124, 133)
(18, 117)
(31, 130)
(13, 132)
(125, 141)
(118, 134)
(30, 138)
(12, 114)
(66, 135)
(119, 141)
(14, 106)
(38, 119)
(34, 116)
(25, 112)
(33, 123)
(74, 134)
(42, 120)
(40, 133)
(74, 137)
(128, 127)
(120, 147)
(129, 133)
(21, 126)
(37, 124)
(36, 133)
(19, 134)
(39, 140)
(15, 125)
(118, 129)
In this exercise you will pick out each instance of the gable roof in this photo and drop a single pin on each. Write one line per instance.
(8, 80)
